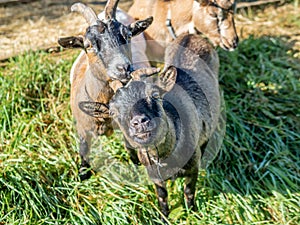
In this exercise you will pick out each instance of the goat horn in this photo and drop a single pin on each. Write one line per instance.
(144, 72)
(88, 13)
(110, 9)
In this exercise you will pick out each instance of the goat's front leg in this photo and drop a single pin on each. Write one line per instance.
(84, 149)
(189, 190)
(191, 179)
(132, 153)
(162, 195)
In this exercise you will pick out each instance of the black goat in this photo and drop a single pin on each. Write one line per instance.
(169, 120)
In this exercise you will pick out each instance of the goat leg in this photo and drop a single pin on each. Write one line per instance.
(132, 153)
(85, 168)
(162, 195)
(189, 190)
(190, 183)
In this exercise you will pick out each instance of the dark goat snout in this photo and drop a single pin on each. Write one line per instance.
(236, 42)
(229, 44)
(124, 71)
(140, 124)
(123, 68)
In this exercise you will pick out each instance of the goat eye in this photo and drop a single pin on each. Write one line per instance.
(155, 95)
(125, 33)
(112, 113)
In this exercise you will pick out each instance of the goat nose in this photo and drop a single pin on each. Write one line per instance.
(236, 42)
(123, 68)
(138, 121)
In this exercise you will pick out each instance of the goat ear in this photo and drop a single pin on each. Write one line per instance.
(71, 42)
(167, 78)
(140, 25)
(94, 109)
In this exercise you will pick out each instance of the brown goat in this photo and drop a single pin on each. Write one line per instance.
(106, 58)
(212, 18)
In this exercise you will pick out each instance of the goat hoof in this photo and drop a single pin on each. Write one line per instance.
(192, 206)
(135, 160)
(164, 221)
(85, 171)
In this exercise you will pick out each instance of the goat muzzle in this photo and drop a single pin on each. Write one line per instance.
(141, 127)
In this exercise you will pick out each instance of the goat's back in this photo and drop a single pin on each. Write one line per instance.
(197, 65)
(188, 48)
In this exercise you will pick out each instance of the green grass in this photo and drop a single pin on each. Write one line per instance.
(254, 179)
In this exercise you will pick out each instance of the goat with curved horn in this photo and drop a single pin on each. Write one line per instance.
(110, 9)
(103, 67)
(87, 12)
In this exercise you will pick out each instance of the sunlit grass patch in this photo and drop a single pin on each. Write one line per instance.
(254, 179)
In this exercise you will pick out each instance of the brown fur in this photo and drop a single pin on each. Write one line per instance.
(184, 17)
(98, 90)
(101, 62)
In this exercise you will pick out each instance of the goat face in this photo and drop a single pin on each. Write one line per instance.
(138, 109)
(219, 23)
(228, 36)
(107, 42)
(110, 43)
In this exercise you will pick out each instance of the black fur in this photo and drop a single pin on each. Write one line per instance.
(184, 108)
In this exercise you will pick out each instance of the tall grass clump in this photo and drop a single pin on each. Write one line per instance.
(258, 168)
(254, 179)
(36, 136)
